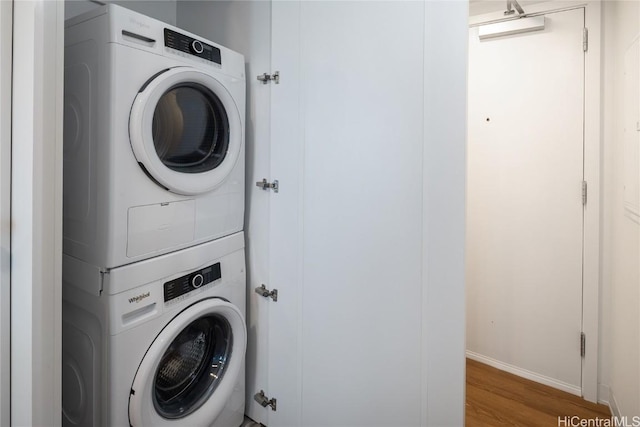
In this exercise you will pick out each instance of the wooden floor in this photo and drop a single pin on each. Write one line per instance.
(497, 398)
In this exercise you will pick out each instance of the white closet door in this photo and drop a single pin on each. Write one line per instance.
(346, 233)
(525, 212)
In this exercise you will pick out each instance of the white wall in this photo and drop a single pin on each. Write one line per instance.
(164, 10)
(620, 299)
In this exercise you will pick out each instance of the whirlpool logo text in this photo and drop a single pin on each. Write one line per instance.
(139, 298)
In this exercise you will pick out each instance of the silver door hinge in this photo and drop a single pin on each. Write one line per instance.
(585, 39)
(264, 292)
(266, 78)
(275, 185)
(584, 193)
(264, 401)
(583, 344)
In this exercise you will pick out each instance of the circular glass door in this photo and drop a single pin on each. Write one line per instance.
(186, 130)
(191, 369)
(192, 366)
(190, 129)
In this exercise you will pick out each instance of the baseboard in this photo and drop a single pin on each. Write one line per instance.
(603, 394)
(613, 405)
(525, 374)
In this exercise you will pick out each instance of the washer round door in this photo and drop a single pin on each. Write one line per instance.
(189, 372)
(185, 130)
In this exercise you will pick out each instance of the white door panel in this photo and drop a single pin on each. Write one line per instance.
(524, 212)
(362, 212)
(347, 141)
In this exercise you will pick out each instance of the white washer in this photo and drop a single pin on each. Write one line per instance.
(153, 138)
(164, 343)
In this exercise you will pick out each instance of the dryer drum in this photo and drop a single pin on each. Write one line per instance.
(192, 367)
(190, 129)
(186, 128)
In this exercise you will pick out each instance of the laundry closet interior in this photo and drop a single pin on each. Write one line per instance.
(308, 214)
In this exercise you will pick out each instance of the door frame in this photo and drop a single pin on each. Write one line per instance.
(592, 172)
(36, 212)
(6, 41)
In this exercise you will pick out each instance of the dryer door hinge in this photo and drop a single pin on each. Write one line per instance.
(264, 292)
(583, 344)
(266, 78)
(264, 401)
(585, 39)
(584, 193)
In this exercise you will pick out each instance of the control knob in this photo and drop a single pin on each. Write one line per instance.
(197, 46)
(197, 281)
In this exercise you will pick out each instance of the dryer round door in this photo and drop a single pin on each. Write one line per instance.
(189, 372)
(185, 130)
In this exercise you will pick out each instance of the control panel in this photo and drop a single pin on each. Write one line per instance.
(185, 284)
(195, 47)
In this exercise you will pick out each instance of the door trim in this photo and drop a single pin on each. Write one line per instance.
(592, 172)
(36, 207)
(6, 40)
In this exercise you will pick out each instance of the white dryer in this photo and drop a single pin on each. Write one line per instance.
(164, 343)
(153, 138)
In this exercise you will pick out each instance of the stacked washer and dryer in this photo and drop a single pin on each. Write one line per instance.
(153, 267)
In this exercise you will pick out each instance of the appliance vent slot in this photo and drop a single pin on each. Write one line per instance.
(138, 314)
(138, 38)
